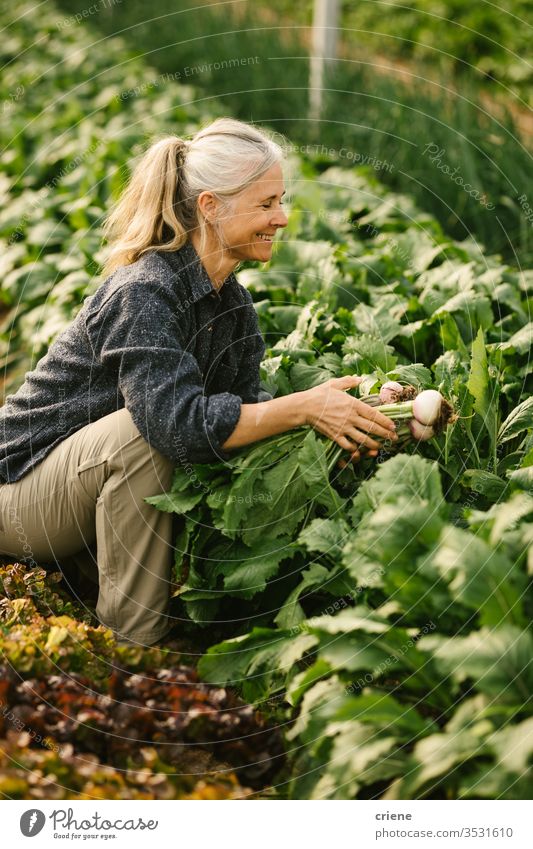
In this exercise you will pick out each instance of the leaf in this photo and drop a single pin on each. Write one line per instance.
(486, 483)
(475, 306)
(201, 610)
(366, 733)
(327, 536)
(397, 532)
(509, 514)
(353, 619)
(449, 369)
(479, 576)
(368, 353)
(378, 321)
(313, 463)
(414, 374)
(514, 747)
(355, 653)
(346, 646)
(422, 248)
(257, 663)
(319, 705)
(367, 383)
(498, 661)
(373, 707)
(175, 502)
(403, 476)
(304, 376)
(436, 759)
(268, 496)
(287, 497)
(250, 576)
(272, 374)
(521, 341)
(520, 419)
(357, 759)
(238, 499)
(392, 550)
(482, 388)
(56, 636)
(181, 498)
(510, 776)
(291, 613)
(284, 318)
(523, 478)
(306, 679)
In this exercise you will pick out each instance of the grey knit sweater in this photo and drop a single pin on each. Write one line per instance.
(157, 338)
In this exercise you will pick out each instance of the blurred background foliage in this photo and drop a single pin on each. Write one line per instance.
(409, 74)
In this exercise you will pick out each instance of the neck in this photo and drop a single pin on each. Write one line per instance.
(215, 261)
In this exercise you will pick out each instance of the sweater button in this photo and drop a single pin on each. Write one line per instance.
(210, 327)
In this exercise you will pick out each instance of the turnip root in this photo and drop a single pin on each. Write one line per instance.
(420, 432)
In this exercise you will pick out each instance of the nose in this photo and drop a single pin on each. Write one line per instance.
(280, 219)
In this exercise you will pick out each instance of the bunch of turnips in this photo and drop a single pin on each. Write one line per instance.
(420, 415)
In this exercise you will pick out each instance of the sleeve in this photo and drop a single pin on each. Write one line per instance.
(136, 333)
(247, 384)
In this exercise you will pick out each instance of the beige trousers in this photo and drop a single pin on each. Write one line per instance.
(86, 497)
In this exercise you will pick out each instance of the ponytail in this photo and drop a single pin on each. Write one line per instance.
(146, 215)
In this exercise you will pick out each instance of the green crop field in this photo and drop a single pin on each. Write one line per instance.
(362, 633)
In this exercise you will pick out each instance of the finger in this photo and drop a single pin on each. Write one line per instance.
(361, 438)
(374, 427)
(373, 414)
(355, 458)
(346, 382)
(346, 444)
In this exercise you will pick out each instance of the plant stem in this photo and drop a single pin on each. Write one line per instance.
(335, 452)
(403, 409)
(474, 446)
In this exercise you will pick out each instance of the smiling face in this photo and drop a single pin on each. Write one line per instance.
(257, 210)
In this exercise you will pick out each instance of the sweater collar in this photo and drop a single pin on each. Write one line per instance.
(187, 259)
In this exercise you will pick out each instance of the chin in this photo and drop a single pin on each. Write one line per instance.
(258, 254)
(264, 246)
(252, 251)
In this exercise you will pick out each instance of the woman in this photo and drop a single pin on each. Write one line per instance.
(159, 367)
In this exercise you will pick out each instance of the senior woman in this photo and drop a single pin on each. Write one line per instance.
(159, 367)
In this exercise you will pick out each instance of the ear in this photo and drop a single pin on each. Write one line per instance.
(208, 205)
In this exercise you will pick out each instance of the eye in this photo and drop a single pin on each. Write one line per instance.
(268, 205)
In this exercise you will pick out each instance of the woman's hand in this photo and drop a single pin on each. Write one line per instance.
(346, 420)
(327, 408)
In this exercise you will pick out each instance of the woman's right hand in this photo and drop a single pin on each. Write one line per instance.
(345, 419)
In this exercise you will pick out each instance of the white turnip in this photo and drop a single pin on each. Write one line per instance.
(419, 431)
(427, 407)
